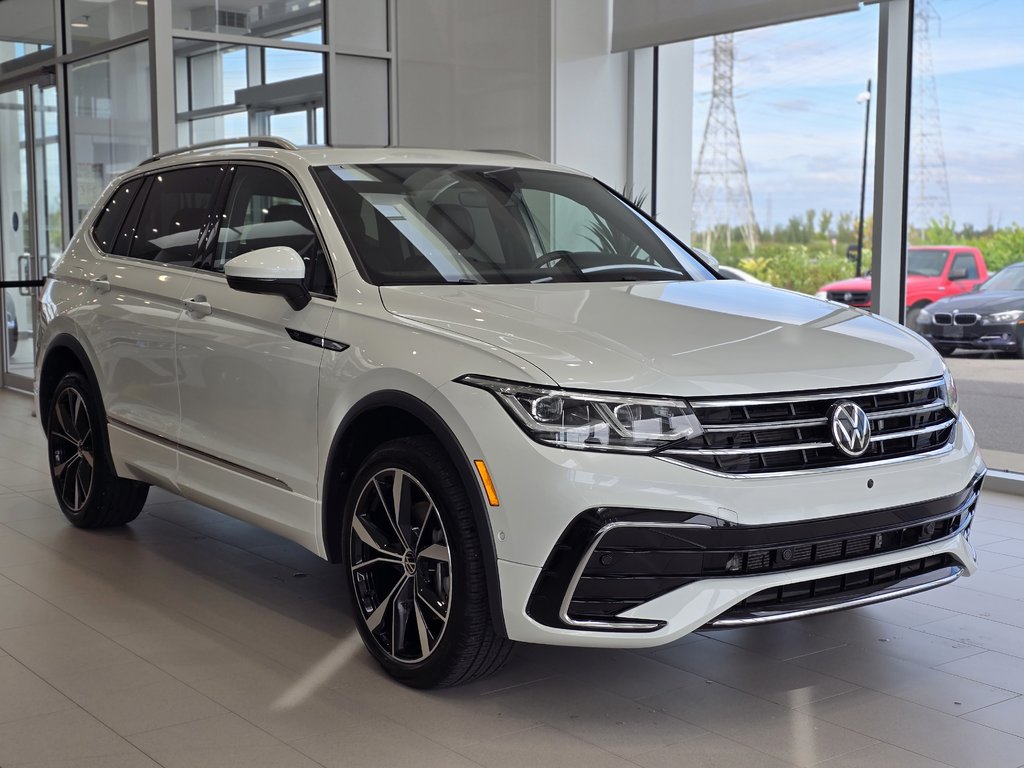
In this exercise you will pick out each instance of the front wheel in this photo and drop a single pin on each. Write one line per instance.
(416, 574)
(89, 492)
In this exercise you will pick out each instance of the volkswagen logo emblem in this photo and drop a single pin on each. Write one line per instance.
(851, 430)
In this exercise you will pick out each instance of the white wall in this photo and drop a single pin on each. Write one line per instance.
(591, 92)
(474, 74)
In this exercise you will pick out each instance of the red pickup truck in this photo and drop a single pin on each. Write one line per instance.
(933, 272)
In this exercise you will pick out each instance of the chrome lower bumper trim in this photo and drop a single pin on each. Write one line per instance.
(909, 587)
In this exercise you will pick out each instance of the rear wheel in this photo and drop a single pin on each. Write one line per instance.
(89, 492)
(416, 573)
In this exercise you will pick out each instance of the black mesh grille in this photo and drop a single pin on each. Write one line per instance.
(857, 298)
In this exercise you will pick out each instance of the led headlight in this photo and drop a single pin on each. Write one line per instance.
(924, 317)
(590, 420)
(949, 394)
(1003, 317)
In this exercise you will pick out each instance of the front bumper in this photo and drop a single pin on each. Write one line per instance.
(543, 490)
(1001, 337)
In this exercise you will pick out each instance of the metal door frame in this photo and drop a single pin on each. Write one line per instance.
(26, 84)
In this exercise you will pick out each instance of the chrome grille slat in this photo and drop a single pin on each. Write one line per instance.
(795, 424)
(744, 451)
(791, 433)
(914, 432)
(808, 397)
(892, 414)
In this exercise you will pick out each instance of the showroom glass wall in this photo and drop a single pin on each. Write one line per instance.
(90, 89)
(965, 190)
(799, 96)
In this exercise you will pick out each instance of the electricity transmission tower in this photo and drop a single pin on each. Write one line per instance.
(721, 190)
(929, 183)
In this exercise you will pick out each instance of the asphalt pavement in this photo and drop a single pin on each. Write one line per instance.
(992, 397)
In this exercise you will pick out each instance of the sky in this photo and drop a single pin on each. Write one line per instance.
(802, 130)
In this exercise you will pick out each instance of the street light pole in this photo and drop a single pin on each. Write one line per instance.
(866, 99)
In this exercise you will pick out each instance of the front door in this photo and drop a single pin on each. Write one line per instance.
(247, 377)
(31, 232)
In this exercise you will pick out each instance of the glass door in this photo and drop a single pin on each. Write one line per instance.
(31, 232)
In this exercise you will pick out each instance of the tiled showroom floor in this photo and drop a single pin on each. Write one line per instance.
(189, 639)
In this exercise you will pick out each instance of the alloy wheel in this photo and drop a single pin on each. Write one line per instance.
(400, 565)
(72, 452)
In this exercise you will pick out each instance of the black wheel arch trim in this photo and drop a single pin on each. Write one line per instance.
(335, 484)
(69, 343)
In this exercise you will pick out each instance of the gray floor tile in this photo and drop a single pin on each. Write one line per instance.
(1006, 716)
(991, 668)
(922, 730)
(708, 751)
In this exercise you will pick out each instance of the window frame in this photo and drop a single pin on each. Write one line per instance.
(145, 175)
(223, 195)
(217, 208)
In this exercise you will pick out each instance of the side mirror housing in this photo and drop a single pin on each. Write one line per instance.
(278, 270)
(958, 274)
(708, 259)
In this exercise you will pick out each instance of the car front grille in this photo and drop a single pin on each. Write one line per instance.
(610, 560)
(792, 433)
(857, 298)
(961, 318)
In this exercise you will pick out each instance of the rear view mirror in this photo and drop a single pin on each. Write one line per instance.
(278, 270)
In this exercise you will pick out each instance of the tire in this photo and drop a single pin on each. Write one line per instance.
(89, 492)
(946, 350)
(416, 579)
(1019, 352)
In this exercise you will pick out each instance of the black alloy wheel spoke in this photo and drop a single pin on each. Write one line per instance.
(72, 456)
(403, 591)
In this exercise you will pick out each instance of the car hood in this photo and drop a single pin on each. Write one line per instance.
(982, 302)
(679, 338)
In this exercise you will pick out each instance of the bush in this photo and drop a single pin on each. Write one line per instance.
(798, 267)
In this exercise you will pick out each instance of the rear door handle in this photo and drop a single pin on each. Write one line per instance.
(198, 306)
(101, 283)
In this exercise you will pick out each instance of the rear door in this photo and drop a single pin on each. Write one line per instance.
(248, 370)
(145, 267)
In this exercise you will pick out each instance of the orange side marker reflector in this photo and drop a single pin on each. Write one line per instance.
(485, 478)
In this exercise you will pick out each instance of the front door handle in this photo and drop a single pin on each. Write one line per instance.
(101, 283)
(198, 306)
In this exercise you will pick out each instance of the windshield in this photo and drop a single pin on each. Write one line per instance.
(431, 224)
(926, 262)
(1010, 279)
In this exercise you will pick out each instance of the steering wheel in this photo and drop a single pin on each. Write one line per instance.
(549, 258)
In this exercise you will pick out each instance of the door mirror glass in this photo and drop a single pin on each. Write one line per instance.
(277, 270)
(958, 274)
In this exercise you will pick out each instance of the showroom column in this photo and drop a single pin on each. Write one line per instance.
(892, 131)
(161, 74)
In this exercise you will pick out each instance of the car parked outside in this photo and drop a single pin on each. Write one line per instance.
(933, 272)
(424, 366)
(991, 318)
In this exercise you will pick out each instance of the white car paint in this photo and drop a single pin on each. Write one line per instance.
(260, 411)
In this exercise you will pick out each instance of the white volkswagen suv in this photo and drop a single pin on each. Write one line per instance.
(509, 403)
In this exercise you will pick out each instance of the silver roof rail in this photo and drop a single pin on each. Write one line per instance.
(259, 141)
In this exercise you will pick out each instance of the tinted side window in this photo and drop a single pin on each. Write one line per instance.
(265, 209)
(174, 215)
(966, 263)
(113, 214)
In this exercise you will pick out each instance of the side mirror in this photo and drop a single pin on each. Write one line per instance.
(708, 259)
(976, 287)
(278, 270)
(958, 274)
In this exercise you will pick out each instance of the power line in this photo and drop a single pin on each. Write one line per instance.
(721, 189)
